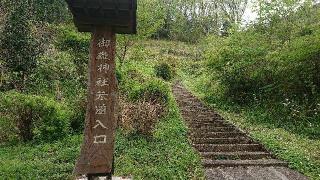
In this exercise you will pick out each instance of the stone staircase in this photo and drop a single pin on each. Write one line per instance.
(218, 141)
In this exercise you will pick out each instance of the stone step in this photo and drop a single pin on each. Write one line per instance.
(244, 155)
(228, 147)
(234, 163)
(239, 140)
(217, 123)
(208, 126)
(208, 117)
(215, 129)
(188, 105)
(196, 117)
(197, 108)
(207, 121)
(187, 97)
(218, 135)
(205, 128)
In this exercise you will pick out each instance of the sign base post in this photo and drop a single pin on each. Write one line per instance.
(97, 150)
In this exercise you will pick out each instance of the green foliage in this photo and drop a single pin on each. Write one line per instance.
(8, 132)
(150, 17)
(252, 65)
(152, 89)
(77, 45)
(77, 119)
(41, 10)
(51, 11)
(19, 48)
(164, 71)
(35, 117)
(54, 160)
(70, 39)
(57, 76)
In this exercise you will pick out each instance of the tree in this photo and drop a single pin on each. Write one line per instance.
(19, 48)
(49, 11)
(150, 19)
(233, 9)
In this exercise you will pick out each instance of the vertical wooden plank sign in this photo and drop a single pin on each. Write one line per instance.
(103, 19)
(98, 146)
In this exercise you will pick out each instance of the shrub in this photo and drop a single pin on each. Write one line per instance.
(35, 117)
(56, 72)
(8, 132)
(153, 90)
(164, 71)
(69, 39)
(77, 120)
(138, 86)
(139, 117)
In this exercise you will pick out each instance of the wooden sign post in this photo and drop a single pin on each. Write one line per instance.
(103, 19)
(99, 135)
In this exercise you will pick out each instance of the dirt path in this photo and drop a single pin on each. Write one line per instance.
(226, 151)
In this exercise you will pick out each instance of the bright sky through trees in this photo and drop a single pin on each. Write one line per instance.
(250, 14)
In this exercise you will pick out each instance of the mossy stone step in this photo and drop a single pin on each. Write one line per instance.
(219, 135)
(228, 147)
(235, 163)
(239, 140)
(238, 155)
(214, 129)
(205, 121)
(217, 123)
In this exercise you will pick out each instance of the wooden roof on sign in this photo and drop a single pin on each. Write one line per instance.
(119, 14)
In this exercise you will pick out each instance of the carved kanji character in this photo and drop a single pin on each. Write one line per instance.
(101, 109)
(103, 56)
(99, 123)
(104, 43)
(101, 95)
(103, 67)
(100, 139)
(101, 82)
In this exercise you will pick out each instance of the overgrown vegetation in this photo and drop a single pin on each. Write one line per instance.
(44, 122)
(164, 71)
(268, 74)
(264, 76)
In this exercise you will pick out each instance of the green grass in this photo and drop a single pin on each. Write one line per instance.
(167, 156)
(39, 161)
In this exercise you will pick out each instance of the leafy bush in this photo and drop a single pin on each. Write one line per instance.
(36, 117)
(249, 67)
(153, 90)
(70, 39)
(77, 120)
(139, 86)
(75, 45)
(8, 132)
(145, 99)
(164, 71)
(57, 74)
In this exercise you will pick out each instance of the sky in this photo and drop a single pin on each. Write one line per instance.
(250, 14)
